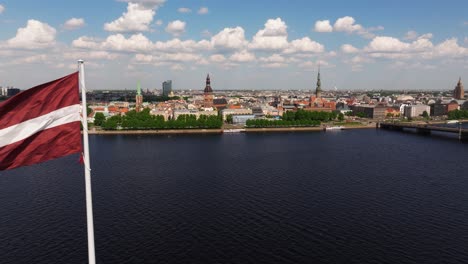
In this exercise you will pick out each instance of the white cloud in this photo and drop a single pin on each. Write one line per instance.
(159, 22)
(304, 45)
(203, 10)
(135, 43)
(184, 10)
(274, 36)
(85, 42)
(450, 48)
(413, 35)
(217, 58)
(274, 65)
(35, 35)
(2, 8)
(137, 18)
(242, 56)
(146, 3)
(177, 45)
(347, 24)
(394, 45)
(323, 26)
(74, 23)
(176, 28)
(90, 55)
(229, 39)
(143, 58)
(275, 58)
(347, 48)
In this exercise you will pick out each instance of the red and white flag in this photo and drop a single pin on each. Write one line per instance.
(41, 123)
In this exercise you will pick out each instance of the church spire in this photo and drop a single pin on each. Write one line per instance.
(138, 88)
(318, 91)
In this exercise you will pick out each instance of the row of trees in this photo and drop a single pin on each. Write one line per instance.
(257, 123)
(144, 121)
(458, 114)
(300, 118)
(301, 114)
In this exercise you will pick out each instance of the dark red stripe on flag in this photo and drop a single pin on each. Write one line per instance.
(45, 145)
(40, 100)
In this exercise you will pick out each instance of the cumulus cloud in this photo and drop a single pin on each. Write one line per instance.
(86, 42)
(217, 58)
(176, 28)
(347, 48)
(229, 39)
(413, 35)
(346, 24)
(184, 10)
(203, 11)
(137, 18)
(323, 26)
(90, 55)
(74, 23)
(35, 35)
(141, 44)
(242, 56)
(146, 3)
(275, 58)
(304, 45)
(394, 45)
(177, 45)
(273, 36)
(2, 8)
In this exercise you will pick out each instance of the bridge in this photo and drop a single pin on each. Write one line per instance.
(426, 129)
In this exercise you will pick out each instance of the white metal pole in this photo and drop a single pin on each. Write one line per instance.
(89, 201)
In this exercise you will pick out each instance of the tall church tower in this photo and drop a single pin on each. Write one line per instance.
(318, 91)
(208, 93)
(139, 99)
(459, 92)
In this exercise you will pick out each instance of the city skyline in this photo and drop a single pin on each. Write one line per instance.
(242, 45)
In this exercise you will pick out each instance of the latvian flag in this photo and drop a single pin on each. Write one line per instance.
(40, 124)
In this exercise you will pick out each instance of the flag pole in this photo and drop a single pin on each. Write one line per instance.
(87, 167)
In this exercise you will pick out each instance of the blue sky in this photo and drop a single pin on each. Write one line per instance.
(242, 44)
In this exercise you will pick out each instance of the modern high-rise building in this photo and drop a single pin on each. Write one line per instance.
(459, 92)
(167, 87)
(208, 93)
(139, 99)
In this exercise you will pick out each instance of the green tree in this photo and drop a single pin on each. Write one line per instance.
(99, 119)
(340, 117)
(229, 119)
(425, 114)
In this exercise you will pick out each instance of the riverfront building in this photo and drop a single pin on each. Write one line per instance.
(412, 111)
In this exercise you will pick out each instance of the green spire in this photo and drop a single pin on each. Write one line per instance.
(318, 91)
(138, 88)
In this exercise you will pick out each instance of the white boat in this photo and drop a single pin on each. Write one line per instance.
(238, 130)
(335, 128)
(452, 122)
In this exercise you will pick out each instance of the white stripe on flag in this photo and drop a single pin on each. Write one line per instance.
(30, 127)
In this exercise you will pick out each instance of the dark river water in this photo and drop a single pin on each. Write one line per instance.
(356, 196)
